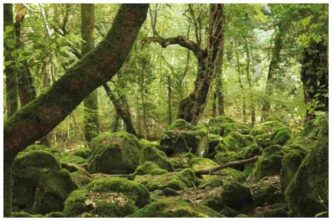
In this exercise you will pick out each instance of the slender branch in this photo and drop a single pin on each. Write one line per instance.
(179, 40)
(225, 165)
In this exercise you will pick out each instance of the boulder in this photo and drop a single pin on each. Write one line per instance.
(114, 153)
(149, 167)
(106, 197)
(171, 207)
(235, 142)
(157, 156)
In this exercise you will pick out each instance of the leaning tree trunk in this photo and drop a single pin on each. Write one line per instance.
(272, 72)
(40, 116)
(314, 76)
(122, 109)
(10, 72)
(192, 107)
(91, 124)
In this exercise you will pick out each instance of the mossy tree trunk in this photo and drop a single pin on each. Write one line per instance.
(249, 80)
(10, 68)
(40, 116)
(273, 68)
(91, 124)
(314, 76)
(192, 106)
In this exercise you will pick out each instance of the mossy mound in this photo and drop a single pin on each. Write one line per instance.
(225, 157)
(237, 196)
(149, 167)
(266, 127)
(114, 153)
(307, 193)
(235, 142)
(269, 163)
(227, 128)
(83, 152)
(157, 156)
(40, 185)
(181, 161)
(290, 163)
(174, 208)
(80, 177)
(219, 120)
(181, 124)
(148, 143)
(107, 197)
(199, 163)
(185, 139)
(250, 151)
(214, 141)
(176, 180)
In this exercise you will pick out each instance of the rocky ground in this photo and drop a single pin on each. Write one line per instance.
(121, 176)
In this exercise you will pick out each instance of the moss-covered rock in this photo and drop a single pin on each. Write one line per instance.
(275, 210)
(181, 124)
(266, 127)
(174, 208)
(199, 163)
(80, 177)
(227, 156)
(40, 185)
(83, 152)
(250, 151)
(185, 139)
(114, 153)
(214, 141)
(175, 180)
(235, 142)
(232, 174)
(157, 156)
(269, 163)
(290, 163)
(107, 197)
(149, 167)
(181, 161)
(237, 196)
(307, 193)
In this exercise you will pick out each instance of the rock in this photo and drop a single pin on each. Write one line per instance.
(149, 167)
(235, 142)
(181, 124)
(174, 208)
(106, 197)
(40, 185)
(223, 126)
(237, 196)
(181, 161)
(80, 177)
(275, 210)
(157, 156)
(269, 163)
(83, 152)
(214, 141)
(307, 193)
(114, 153)
(175, 180)
(266, 127)
(290, 163)
(169, 192)
(184, 139)
(199, 163)
(250, 151)
(267, 191)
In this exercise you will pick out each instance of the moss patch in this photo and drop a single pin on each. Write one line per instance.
(157, 156)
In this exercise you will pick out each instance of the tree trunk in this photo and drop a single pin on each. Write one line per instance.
(251, 93)
(91, 124)
(314, 76)
(40, 116)
(219, 87)
(122, 109)
(116, 122)
(192, 107)
(10, 72)
(169, 93)
(273, 68)
(239, 72)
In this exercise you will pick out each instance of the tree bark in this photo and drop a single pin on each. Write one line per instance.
(40, 116)
(169, 94)
(251, 92)
(273, 68)
(314, 76)
(122, 109)
(91, 124)
(10, 72)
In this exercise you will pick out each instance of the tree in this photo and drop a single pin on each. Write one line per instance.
(10, 61)
(41, 115)
(192, 107)
(91, 124)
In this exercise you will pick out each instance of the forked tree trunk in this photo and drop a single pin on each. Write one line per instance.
(314, 76)
(91, 124)
(40, 116)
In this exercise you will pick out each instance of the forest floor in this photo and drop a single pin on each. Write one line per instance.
(119, 175)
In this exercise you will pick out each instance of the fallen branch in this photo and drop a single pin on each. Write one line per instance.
(225, 165)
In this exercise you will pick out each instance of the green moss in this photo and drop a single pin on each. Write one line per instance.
(114, 153)
(80, 177)
(82, 152)
(212, 181)
(233, 174)
(250, 151)
(147, 143)
(275, 210)
(225, 157)
(199, 163)
(25, 214)
(271, 133)
(149, 167)
(107, 197)
(235, 142)
(55, 214)
(181, 124)
(269, 163)
(237, 197)
(181, 161)
(214, 141)
(157, 156)
(174, 208)
(307, 193)
(267, 127)
(290, 163)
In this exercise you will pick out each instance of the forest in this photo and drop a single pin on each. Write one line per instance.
(165, 110)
